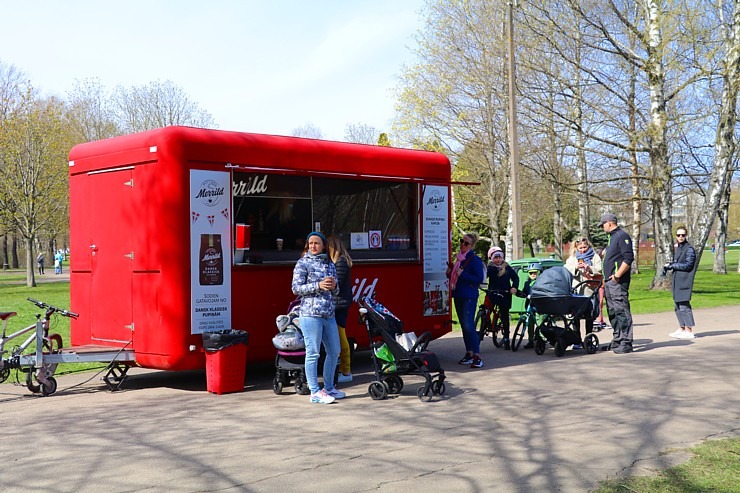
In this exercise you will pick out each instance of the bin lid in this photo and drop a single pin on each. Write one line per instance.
(546, 262)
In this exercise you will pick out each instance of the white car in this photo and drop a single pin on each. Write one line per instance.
(734, 243)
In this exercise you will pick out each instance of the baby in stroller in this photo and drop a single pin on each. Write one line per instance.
(391, 359)
(291, 355)
(554, 296)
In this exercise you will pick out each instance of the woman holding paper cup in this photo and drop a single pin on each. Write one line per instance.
(315, 281)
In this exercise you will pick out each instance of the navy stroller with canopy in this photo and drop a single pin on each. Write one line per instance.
(555, 297)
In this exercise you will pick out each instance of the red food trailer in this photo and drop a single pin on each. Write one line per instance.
(179, 231)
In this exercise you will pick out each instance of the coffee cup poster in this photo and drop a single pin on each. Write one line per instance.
(210, 251)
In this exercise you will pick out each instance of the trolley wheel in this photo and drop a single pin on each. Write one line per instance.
(4, 374)
(521, 328)
(591, 343)
(438, 387)
(539, 346)
(395, 384)
(378, 391)
(277, 385)
(482, 322)
(559, 349)
(424, 393)
(301, 387)
(498, 331)
(31, 382)
(49, 387)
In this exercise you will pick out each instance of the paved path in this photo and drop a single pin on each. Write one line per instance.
(523, 423)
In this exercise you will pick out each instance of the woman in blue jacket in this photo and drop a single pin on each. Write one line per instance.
(466, 275)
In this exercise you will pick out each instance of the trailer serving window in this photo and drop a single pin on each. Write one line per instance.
(376, 219)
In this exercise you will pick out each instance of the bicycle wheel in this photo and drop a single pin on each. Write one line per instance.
(521, 328)
(482, 322)
(498, 331)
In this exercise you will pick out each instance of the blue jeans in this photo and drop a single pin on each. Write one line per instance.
(316, 331)
(465, 308)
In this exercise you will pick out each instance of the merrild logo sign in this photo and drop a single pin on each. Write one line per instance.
(360, 290)
(210, 193)
(435, 201)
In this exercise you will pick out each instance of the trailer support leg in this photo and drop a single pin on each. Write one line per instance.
(115, 376)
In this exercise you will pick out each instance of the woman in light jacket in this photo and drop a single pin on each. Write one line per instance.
(585, 265)
(315, 281)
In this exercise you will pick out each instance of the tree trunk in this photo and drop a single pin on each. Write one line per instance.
(557, 220)
(724, 148)
(14, 264)
(661, 194)
(720, 261)
(4, 252)
(30, 258)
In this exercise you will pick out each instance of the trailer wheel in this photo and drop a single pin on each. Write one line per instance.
(591, 343)
(539, 346)
(4, 374)
(30, 383)
(49, 387)
(424, 393)
(559, 349)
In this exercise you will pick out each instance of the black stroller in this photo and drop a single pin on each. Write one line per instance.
(554, 296)
(391, 359)
(291, 355)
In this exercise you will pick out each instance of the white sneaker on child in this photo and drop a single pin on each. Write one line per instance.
(686, 335)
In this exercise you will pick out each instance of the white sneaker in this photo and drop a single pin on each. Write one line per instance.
(686, 335)
(342, 378)
(676, 334)
(321, 397)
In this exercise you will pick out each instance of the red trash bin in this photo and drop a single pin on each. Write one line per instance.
(226, 361)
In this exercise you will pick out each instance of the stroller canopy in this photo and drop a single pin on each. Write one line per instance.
(555, 281)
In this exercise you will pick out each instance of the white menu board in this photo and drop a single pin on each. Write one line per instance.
(436, 248)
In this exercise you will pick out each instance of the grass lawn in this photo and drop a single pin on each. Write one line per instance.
(714, 467)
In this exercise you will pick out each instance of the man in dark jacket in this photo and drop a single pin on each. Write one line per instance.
(617, 262)
(684, 269)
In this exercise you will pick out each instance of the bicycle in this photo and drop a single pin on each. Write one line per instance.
(37, 379)
(527, 321)
(487, 320)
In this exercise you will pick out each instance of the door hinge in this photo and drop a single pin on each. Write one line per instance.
(129, 255)
(129, 183)
(129, 327)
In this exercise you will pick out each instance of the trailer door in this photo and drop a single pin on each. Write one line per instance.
(112, 255)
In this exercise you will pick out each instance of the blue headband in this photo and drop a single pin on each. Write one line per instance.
(317, 233)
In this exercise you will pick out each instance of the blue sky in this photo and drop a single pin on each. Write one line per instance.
(257, 66)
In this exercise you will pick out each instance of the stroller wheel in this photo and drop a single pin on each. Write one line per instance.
(438, 387)
(591, 343)
(559, 349)
(539, 346)
(394, 384)
(301, 387)
(277, 385)
(378, 390)
(424, 393)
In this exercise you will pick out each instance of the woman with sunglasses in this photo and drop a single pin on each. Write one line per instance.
(684, 269)
(465, 276)
(585, 265)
